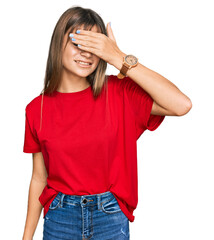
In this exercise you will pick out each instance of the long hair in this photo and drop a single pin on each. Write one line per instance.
(71, 19)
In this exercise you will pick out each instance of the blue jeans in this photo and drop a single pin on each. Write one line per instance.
(94, 217)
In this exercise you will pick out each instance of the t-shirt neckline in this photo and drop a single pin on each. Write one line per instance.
(73, 94)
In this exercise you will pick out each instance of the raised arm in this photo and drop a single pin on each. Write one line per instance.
(168, 99)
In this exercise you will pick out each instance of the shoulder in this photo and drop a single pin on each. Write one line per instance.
(123, 83)
(114, 81)
(34, 104)
(117, 86)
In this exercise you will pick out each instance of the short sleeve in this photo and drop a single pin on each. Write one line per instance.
(141, 104)
(31, 142)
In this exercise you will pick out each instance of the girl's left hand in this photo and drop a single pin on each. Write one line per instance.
(99, 44)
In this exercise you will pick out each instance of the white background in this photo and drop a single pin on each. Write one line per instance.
(175, 162)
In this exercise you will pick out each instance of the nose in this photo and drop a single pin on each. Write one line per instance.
(86, 54)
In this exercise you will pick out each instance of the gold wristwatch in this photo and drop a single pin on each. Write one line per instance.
(129, 61)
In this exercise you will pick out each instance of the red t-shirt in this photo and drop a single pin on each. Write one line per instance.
(90, 146)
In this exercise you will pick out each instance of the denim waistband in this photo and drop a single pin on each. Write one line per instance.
(85, 199)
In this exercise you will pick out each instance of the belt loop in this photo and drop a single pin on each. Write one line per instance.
(98, 202)
(61, 200)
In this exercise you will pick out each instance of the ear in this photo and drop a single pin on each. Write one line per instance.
(110, 32)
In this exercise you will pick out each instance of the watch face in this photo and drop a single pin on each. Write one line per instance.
(130, 59)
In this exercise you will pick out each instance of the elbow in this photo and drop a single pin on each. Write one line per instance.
(185, 107)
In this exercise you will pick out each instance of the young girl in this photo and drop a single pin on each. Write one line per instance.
(82, 130)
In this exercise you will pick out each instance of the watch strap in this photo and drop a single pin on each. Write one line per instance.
(123, 70)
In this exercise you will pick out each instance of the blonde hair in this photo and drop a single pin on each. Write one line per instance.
(71, 19)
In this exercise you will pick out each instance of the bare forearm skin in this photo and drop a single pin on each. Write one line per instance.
(163, 91)
(34, 208)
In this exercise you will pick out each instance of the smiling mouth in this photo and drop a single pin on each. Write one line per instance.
(83, 63)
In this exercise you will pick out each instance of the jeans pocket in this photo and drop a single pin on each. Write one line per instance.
(125, 229)
(111, 206)
(55, 203)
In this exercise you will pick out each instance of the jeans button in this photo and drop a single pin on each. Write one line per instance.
(84, 200)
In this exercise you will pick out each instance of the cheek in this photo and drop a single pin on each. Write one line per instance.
(68, 55)
(97, 60)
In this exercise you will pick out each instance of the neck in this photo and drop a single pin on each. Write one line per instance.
(72, 83)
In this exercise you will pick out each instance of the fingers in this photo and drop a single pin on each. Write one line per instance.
(110, 32)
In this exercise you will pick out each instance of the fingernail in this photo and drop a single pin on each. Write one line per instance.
(73, 39)
(71, 35)
(78, 31)
(110, 24)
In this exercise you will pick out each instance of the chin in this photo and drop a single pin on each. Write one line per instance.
(84, 74)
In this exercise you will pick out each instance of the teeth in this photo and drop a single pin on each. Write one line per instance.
(83, 63)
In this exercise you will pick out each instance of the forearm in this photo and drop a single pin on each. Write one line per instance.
(162, 91)
(34, 208)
